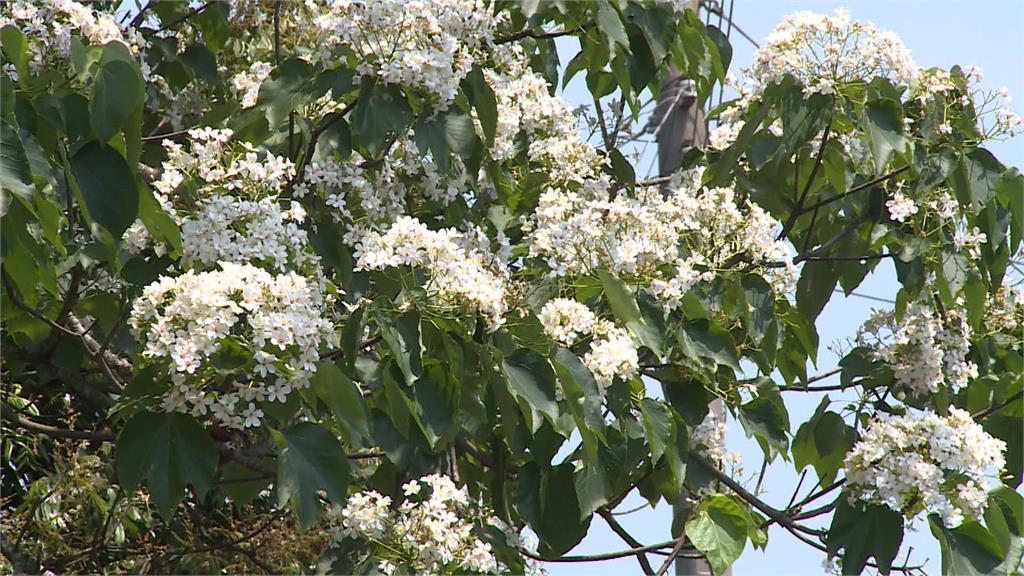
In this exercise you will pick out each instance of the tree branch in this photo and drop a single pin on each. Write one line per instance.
(176, 21)
(599, 557)
(672, 557)
(858, 188)
(539, 35)
(798, 209)
(52, 431)
(997, 406)
(641, 558)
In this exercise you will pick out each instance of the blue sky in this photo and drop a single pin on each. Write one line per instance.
(940, 33)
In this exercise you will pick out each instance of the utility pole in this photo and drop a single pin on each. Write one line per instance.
(680, 126)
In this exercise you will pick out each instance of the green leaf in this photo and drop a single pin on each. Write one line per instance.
(201, 60)
(581, 392)
(445, 133)
(310, 459)
(703, 340)
(16, 49)
(803, 118)
(822, 442)
(599, 480)
(971, 550)
(289, 86)
(977, 178)
(815, 287)
(83, 57)
(883, 124)
(482, 97)
(659, 425)
(158, 222)
(622, 169)
(1012, 189)
(766, 419)
(15, 174)
(546, 498)
(532, 381)
(620, 298)
(610, 24)
(402, 335)
(108, 187)
(168, 451)
(871, 531)
(760, 305)
(719, 531)
(117, 92)
(1012, 505)
(341, 394)
(382, 110)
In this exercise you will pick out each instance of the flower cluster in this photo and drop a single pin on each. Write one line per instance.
(667, 242)
(259, 232)
(50, 25)
(246, 84)
(367, 197)
(525, 104)
(823, 52)
(1004, 312)
(460, 274)
(925, 461)
(426, 45)
(264, 329)
(900, 207)
(612, 350)
(217, 163)
(437, 529)
(923, 349)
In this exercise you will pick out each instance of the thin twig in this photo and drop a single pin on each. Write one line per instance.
(52, 431)
(602, 556)
(179, 20)
(998, 406)
(641, 558)
(539, 35)
(676, 550)
(857, 188)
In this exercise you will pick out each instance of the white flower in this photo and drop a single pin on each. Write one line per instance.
(566, 320)
(430, 46)
(252, 416)
(922, 350)
(411, 488)
(903, 458)
(460, 275)
(900, 207)
(665, 241)
(276, 320)
(428, 535)
(612, 353)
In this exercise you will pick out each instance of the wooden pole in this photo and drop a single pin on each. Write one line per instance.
(680, 126)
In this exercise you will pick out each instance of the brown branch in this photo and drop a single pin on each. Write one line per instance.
(176, 21)
(541, 34)
(676, 551)
(857, 188)
(775, 515)
(140, 16)
(52, 431)
(641, 558)
(599, 557)
(798, 209)
(998, 406)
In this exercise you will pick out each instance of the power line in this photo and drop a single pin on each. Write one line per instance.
(713, 7)
(865, 296)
